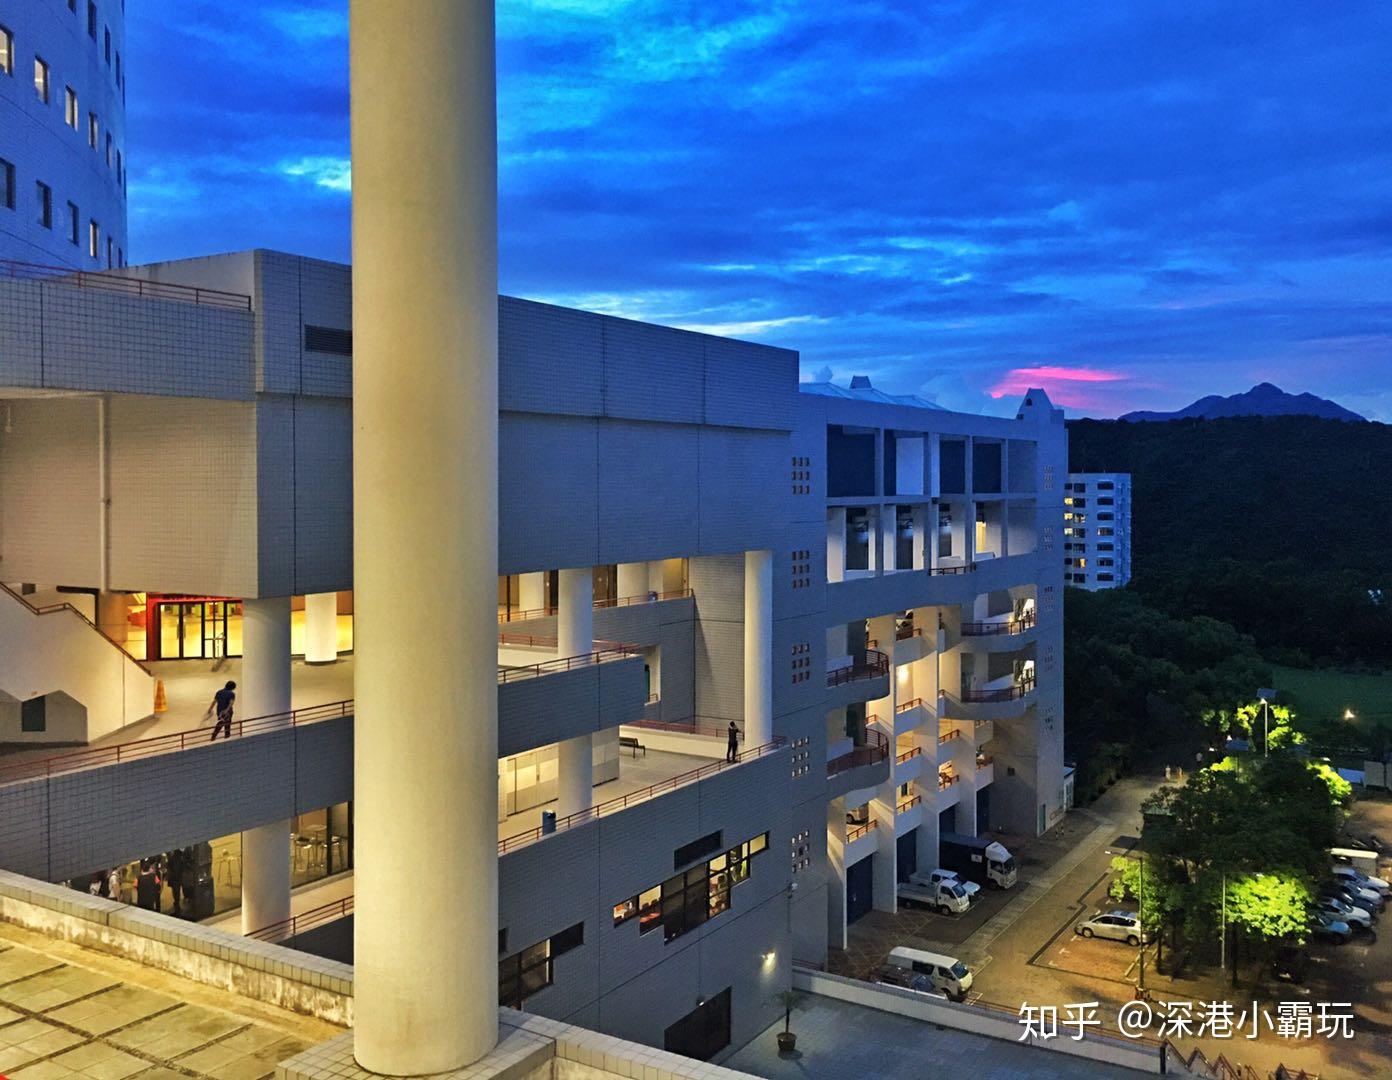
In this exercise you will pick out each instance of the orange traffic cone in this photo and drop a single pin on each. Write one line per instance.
(161, 702)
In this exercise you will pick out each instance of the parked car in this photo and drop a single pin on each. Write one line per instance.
(1336, 907)
(1370, 899)
(947, 973)
(1114, 925)
(1330, 929)
(1290, 963)
(908, 979)
(932, 877)
(1354, 876)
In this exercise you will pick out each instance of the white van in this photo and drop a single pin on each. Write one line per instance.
(947, 973)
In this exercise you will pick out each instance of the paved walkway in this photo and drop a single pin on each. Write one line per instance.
(838, 1040)
(66, 1012)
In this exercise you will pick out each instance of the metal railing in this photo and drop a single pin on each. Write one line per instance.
(946, 780)
(305, 920)
(948, 736)
(505, 615)
(128, 286)
(904, 633)
(1005, 693)
(49, 609)
(623, 802)
(982, 762)
(875, 750)
(1006, 626)
(917, 751)
(692, 727)
(610, 651)
(908, 804)
(875, 665)
(905, 706)
(175, 741)
(943, 571)
(855, 832)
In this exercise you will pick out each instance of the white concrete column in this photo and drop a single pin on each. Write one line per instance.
(531, 591)
(574, 637)
(264, 690)
(633, 579)
(758, 648)
(836, 543)
(112, 616)
(425, 509)
(321, 627)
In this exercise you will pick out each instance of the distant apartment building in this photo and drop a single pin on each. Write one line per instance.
(1097, 530)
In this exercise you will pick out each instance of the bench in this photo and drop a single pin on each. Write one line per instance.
(628, 742)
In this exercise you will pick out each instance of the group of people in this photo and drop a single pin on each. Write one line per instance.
(146, 889)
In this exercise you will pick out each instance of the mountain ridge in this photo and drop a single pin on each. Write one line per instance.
(1264, 399)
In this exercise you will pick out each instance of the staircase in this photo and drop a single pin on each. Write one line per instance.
(90, 684)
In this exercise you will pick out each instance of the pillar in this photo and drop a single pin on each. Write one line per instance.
(531, 591)
(321, 627)
(425, 526)
(633, 579)
(758, 648)
(264, 690)
(112, 616)
(574, 637)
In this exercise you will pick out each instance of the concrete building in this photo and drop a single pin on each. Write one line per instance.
(1097, 530)
(688, 538)
(62, 135)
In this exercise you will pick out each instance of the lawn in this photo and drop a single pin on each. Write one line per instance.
(1320, 697)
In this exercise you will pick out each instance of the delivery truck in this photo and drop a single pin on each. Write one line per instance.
(976, 858)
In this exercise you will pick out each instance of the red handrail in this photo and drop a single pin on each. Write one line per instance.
(946, 780)
(876, 749)
(683, 728)
(907, 754)
(1006, 693)
(1007, 626)
(908, 804)
(875, 665)
(611, 651)
(49, 609)
(78, 760)
(903, 633)
(982, 762)
(130, 286)
(521, 839)
(912, 703)
(305, 920)
(948, 736)
(855, 832)
(625, 601)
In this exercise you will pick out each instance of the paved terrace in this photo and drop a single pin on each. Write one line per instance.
(68, 1012)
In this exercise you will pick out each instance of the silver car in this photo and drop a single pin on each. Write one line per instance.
(1116, 925)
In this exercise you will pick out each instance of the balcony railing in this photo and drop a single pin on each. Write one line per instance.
(875, 750)
(946, 780)
(983, 761)
(917, 751)
(905, 706)
(1006, 626)
(175, 741)
(623, 802)
(948, 736)
(1004, 693)
(874, 666)
(49, 609)
(908, 804)
(607, 650)
(686, 727)
(855, 832)
(130, 286)
(903, 633)
(509, 615)
(305, 920)
(946, 571)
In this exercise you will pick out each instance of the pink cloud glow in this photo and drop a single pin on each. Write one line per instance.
(1071, 387)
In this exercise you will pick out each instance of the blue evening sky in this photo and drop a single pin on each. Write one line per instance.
(1131, 204)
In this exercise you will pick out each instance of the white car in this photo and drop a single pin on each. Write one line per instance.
(1356, 877)
(1336, 908)
(932, 877)
(1115, 925)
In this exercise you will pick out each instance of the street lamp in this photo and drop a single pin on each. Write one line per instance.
(1265, 694)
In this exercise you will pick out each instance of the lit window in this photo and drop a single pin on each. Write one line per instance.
(45, 194)
(93, 239)
(93, 130)
(7, 185)
(6, 52)
(70, 107)
(41, 79)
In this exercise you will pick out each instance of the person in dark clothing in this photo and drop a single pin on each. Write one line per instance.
(222, 704)
(732, 744)
(176, 861)
(147, 886)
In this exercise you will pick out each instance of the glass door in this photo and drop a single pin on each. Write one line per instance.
(190, 631)
(214, 629)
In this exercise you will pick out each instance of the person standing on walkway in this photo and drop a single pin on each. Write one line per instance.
(176, 862)
(732, 743)
(147, 886)
(222, 704)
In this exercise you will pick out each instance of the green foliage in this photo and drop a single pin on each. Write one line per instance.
(1260, 523)
(1340, 790)
(1270, 905)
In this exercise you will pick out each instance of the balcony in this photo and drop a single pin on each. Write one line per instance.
(908, 765)
(985, 770)
(512, 615)
(908, 715)
(859, 767)
(859, 680)
(949, 789)
(1008, 700)
(998, 635)
(905, 805)
(1017, 689)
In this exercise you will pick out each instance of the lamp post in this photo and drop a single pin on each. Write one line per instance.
(1264, 695)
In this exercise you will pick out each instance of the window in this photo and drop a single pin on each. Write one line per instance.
(523, 974)
(1105, 532)
(685, 901)
(106, 44)
(1105, 562)
(109, 252)
(93, 130)
(93, 239)
(6, 52)
(108, 149)
(70, 107)
(120, 168)
(1104, 577)
(328, 340)
(1106, 547)
(703, 1032)
(73, 217)
(41, 79)
(694, 850)
(33, 714)
(1105, 485)
(1106, 500)
(118, 67)
(7, 185)
(91, 20)
(1106, 515)
(45, 194)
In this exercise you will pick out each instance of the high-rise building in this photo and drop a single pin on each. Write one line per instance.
(62, 135)
(1097, 530)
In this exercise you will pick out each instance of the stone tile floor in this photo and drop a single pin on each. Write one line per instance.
(68, 1013)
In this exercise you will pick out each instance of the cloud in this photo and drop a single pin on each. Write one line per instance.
(334, 173)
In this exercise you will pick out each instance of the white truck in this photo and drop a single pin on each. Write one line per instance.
(948, 897)
(932, 877)
(975, 858)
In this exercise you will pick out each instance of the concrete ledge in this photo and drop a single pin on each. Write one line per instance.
(529, 1048)
(273, 974)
